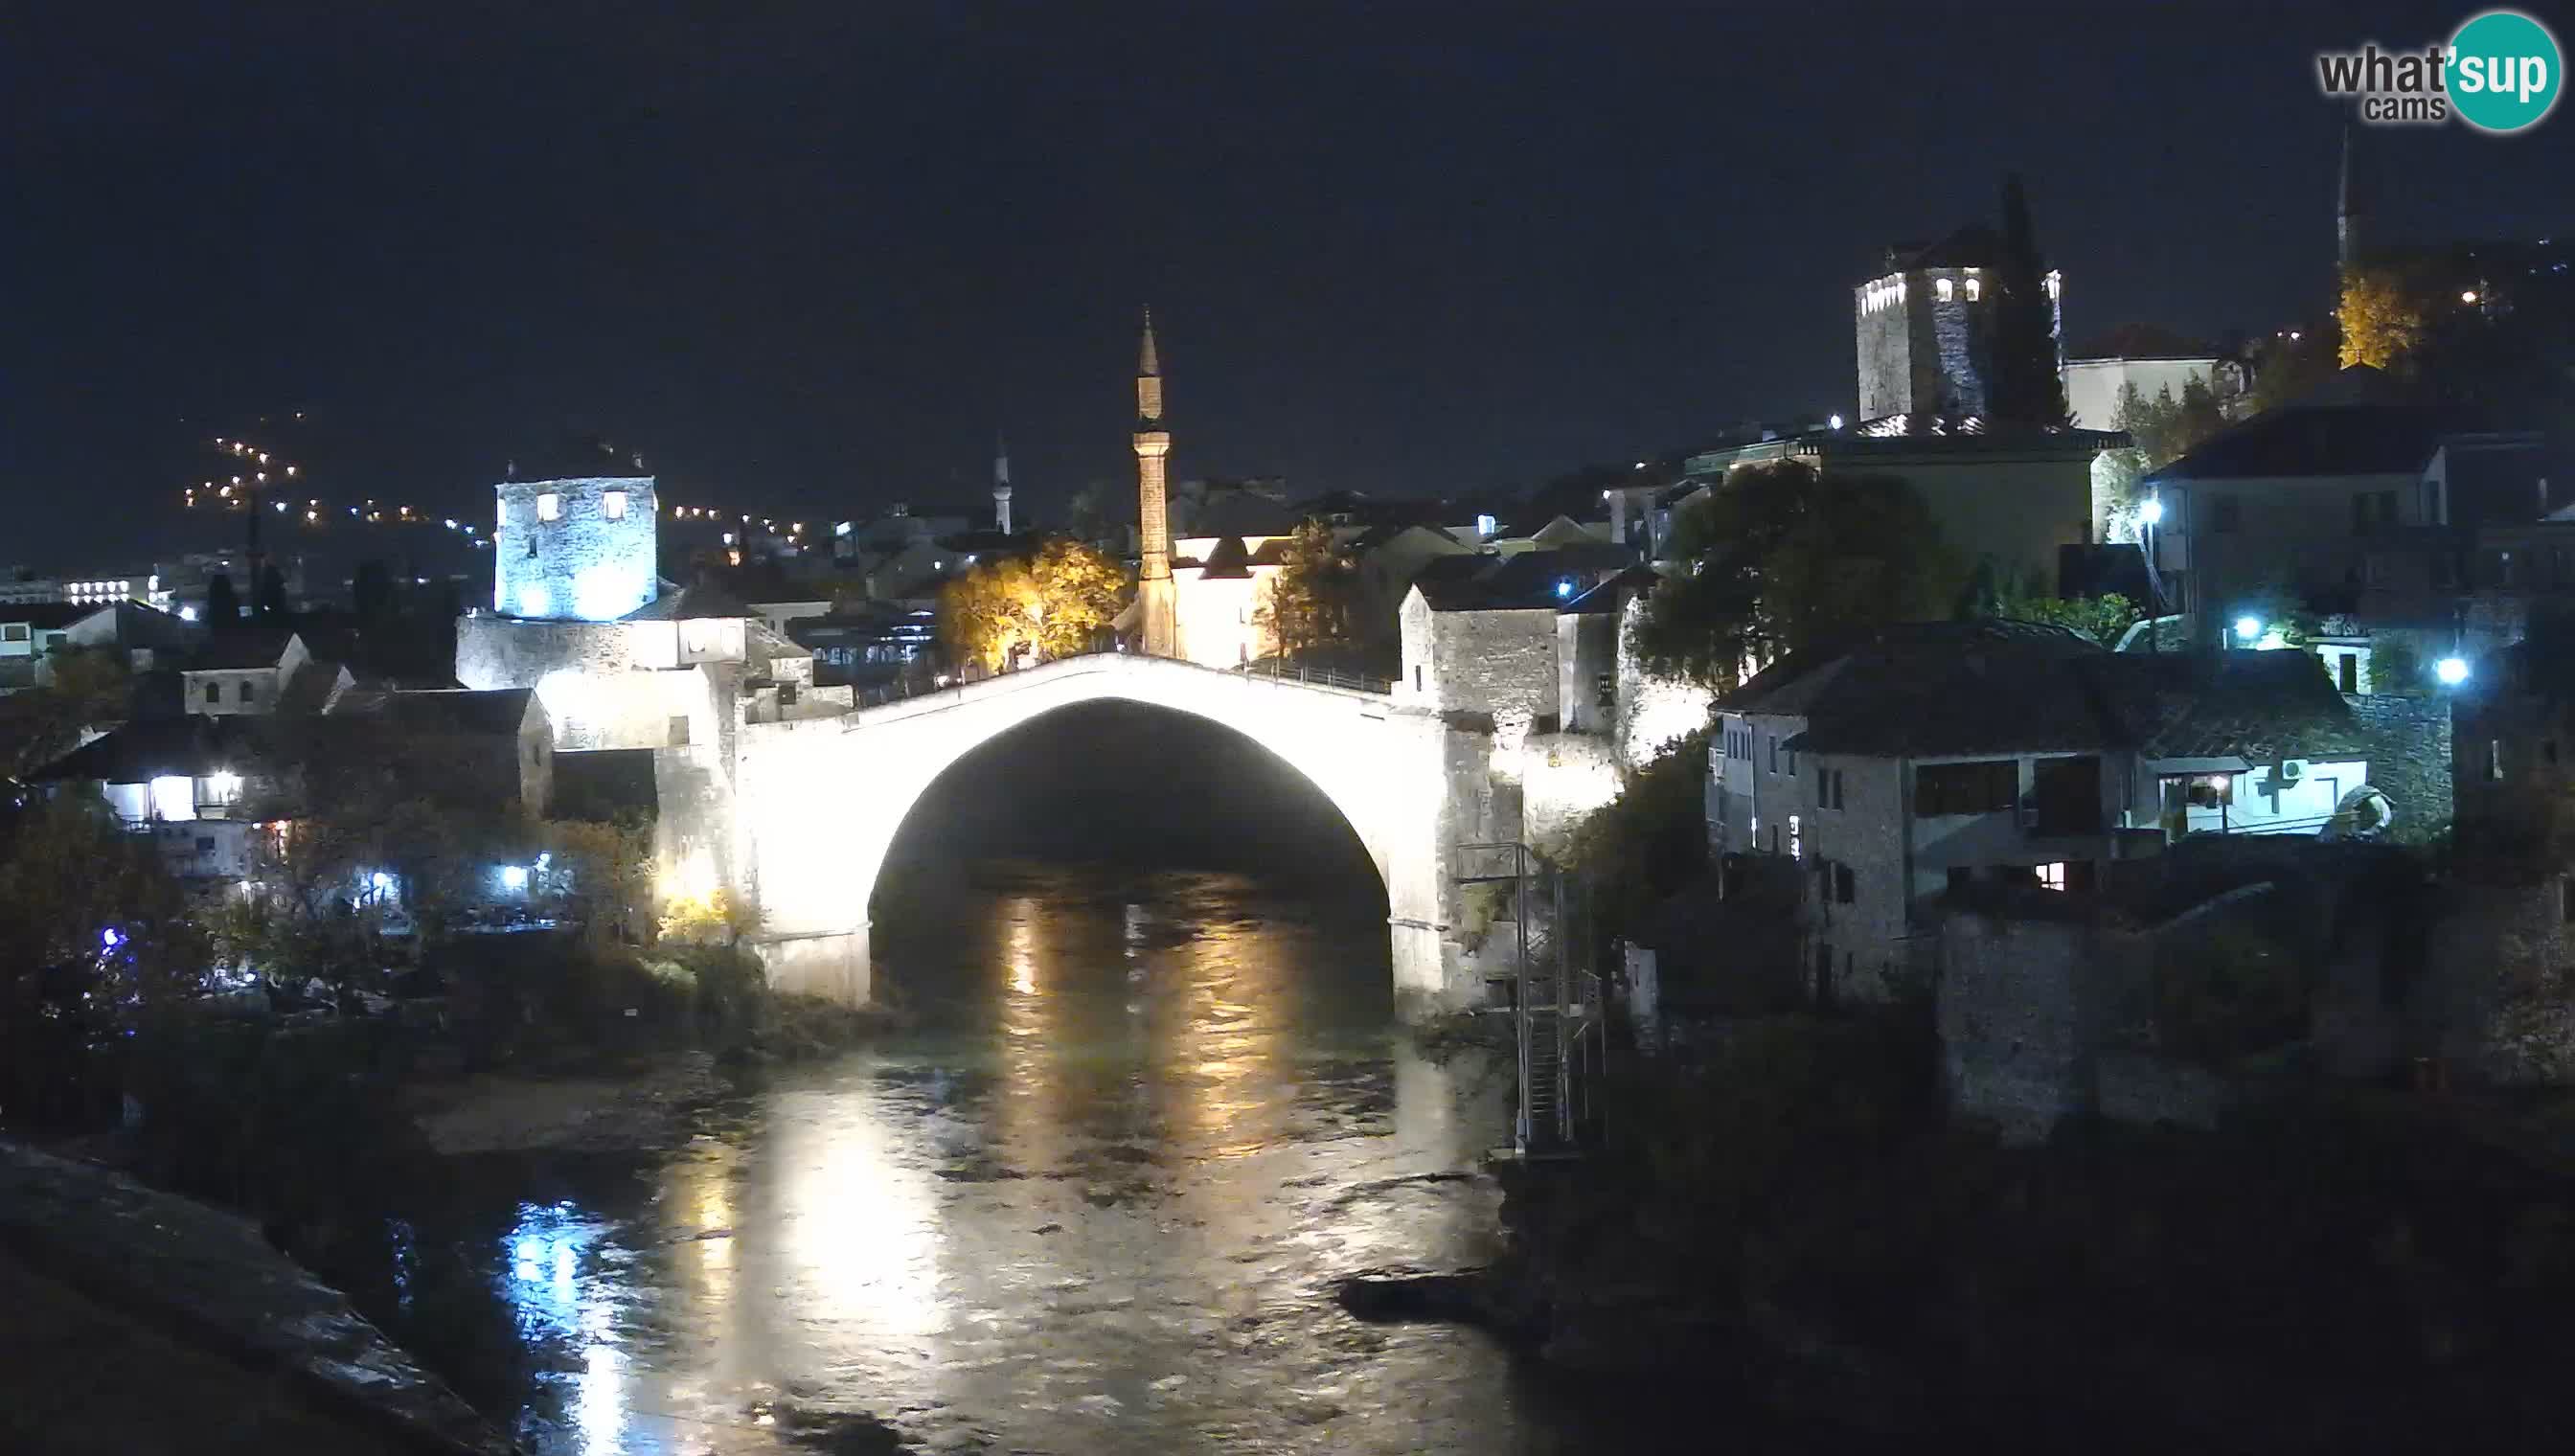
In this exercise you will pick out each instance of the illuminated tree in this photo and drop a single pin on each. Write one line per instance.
(2382, 318)
(1309, 605)
(1052, 605)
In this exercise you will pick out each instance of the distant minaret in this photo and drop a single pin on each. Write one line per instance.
(2349, 212)
(1154, 593)
(1001, 485)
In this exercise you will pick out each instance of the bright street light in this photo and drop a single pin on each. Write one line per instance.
(2151, 513)
(2248, 628)
(2451, 670)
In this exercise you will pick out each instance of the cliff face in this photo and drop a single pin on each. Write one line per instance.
(132, 1304)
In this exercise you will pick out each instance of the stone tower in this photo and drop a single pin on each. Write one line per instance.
(2349, 213)
(1926, 327)
(1001, 485)
(579, 545)
(1157, 598)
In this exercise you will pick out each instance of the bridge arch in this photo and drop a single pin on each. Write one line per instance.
(819, 801)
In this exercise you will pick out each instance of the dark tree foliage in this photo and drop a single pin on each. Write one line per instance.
(1776, 557)
(371, 591)
(2026, 386)
(223, 604)
(270, 602)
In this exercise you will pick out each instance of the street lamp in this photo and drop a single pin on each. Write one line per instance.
(2451, 670)
(2151, 513)
(2248, 628)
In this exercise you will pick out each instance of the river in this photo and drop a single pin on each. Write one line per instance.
(1092, 1201)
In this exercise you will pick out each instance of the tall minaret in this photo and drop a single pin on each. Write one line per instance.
(1001, 485)
(1154, 593)
(2349, 212)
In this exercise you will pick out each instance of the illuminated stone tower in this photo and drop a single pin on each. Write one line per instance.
(1156, 598)
(1001, 485)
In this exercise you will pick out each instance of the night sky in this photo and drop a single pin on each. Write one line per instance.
(810, 257)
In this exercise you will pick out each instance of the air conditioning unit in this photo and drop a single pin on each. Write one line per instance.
(2292, 769)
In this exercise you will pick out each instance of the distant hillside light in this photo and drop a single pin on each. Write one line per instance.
(2248, 628)
(2451, 670)
(2467, 296)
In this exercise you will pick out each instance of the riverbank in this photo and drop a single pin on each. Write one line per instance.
(1790, 1216)
(142, 1322)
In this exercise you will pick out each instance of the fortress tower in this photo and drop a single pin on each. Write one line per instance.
(1926, 327)
(577, 546)
(1156, 600)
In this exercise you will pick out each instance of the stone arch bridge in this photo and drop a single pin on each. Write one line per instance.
(817, 801)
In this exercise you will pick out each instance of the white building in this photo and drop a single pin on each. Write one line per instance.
(255, 671)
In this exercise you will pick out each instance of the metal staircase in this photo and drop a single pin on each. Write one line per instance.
(1556, 1006)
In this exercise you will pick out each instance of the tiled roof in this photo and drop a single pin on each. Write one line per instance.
(2321, 439)
(1944, 688)
(690, 603)
(239, 647)
(1973, 246)
(497, 712)
(146, 749)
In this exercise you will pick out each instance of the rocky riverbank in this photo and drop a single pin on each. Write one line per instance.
(141, 1321)
(638, 1108)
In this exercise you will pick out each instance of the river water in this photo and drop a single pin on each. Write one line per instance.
(1093, 1202)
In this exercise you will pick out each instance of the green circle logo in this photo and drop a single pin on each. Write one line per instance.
(2504, 71)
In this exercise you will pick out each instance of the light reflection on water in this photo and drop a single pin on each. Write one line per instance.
(1093, 1203)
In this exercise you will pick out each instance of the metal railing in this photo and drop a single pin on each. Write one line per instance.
(904, 689)
(1556, 1011)
(1277, 671)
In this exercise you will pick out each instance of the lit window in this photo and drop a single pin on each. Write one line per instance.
(2051, 876)
(1975, 289)
(504, 513)
(549, 507)
(613, 505)
(1946, 289)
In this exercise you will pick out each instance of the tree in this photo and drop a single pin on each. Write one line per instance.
(2027, 388)
(269, 604)
(370, 592)
(95, 941)
(1309, 599)
(1051, 605)
(1776, 558)
(223, 604)
(2104, 619)
(2382, 319)
(2290, 365)
(89, 687)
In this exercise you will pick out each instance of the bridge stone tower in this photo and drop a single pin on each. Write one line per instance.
(1157, 598)
(576, 544)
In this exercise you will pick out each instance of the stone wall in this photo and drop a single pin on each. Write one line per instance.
(1501, 664)
(2409, 745)
(1655, 712)
(581, 566)
(2496, 1001)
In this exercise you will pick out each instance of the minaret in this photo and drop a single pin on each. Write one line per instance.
(2347, 213)
(1155, 594)
(1001, 485)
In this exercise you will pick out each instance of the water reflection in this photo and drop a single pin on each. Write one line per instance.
(1091, 1204)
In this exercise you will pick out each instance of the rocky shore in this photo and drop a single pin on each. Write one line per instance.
(140, 1320)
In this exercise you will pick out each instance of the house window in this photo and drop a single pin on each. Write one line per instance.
(2067, 795)
(1845, 884)
(13, 632)
(2494, 759)
(1775, 753)
(250, 692)
(1417, 678)
(204, 843)
(613, 505)
(1837, 788)
(1792, 763)
(679, 732)
(1975, 289)
(1965, 789)
(549, 507)
(2226, 514)
(1946, 289)
(1796, 840)
(2051, 876)
(213, 692)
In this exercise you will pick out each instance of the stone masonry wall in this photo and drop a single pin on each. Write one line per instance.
(2408, 740)
(581, 565)
(1498, 664)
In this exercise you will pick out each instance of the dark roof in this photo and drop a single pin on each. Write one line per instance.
(603, 784)
(489, 710)
(1973, 246)
(1487, 582)
(237, 648)
(308, 689)
(147, 748)
(1611, 595)
(1945, 688)
(690, 603)
(576, 459)
(2261, 707)
(48, 616)
(2321, 439)
(1227, 560)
